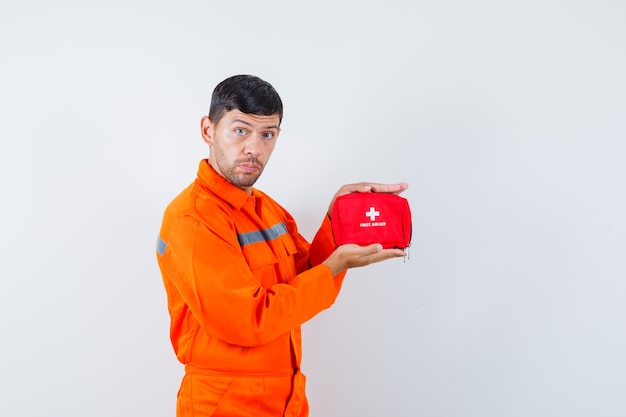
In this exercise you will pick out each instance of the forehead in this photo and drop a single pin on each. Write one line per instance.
(256, 120)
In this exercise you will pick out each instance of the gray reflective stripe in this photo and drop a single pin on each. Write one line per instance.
(262, 235)
(161, 246)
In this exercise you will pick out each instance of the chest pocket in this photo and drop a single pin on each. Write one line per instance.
(259, 249)
(263, 263)
(287, 250)
(258, 255)
(288, 244)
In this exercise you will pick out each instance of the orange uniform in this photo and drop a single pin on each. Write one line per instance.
(240, 280)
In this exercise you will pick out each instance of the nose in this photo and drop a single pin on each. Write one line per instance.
(253, 146)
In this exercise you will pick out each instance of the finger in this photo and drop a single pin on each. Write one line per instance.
(389, 188)
(376, 252)
(390, 253)
(373, 248)
(396, 253)
(381, 256)
(361, 187)
(358, 251)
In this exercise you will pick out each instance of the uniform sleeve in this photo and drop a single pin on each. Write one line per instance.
(206, 267)
(323, 243)
(313, 254)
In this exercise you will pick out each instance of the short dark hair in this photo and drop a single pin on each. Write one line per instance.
(246, 93)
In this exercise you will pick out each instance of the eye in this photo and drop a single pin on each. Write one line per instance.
(240, 131)
(268, 135)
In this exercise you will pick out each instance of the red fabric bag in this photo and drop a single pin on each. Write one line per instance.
(366, 218)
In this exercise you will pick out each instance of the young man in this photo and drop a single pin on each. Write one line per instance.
(240, 279)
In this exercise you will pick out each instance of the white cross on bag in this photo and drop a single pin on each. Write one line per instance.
(372, 213)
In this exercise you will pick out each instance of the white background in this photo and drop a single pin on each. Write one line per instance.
(506, 118)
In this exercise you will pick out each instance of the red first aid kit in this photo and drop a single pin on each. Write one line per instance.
(366, 218)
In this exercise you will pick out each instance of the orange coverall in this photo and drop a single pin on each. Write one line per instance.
(240, 280)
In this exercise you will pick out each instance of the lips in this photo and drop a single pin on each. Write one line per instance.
(248, 167)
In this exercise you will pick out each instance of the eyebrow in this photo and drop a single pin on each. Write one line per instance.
(250, 124)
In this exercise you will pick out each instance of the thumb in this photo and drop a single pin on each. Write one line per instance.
(374, 248)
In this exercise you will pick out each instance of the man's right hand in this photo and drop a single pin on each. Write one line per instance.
(353, 256)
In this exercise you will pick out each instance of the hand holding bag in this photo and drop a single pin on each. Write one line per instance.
(366, 218)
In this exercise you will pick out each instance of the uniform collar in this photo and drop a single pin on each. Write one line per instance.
(220, 186)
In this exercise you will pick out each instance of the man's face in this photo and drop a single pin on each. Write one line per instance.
(241, 145)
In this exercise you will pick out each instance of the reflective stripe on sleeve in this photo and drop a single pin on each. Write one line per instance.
(160, 246)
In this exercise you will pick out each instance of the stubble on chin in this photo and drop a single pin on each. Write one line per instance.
(229, 170)
(241, 179)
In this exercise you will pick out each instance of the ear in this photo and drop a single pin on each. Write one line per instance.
(206, 129)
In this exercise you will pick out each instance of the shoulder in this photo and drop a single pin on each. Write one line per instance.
(198, 205)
